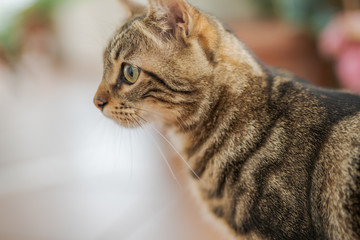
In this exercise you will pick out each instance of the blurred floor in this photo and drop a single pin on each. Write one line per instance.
(67, 173)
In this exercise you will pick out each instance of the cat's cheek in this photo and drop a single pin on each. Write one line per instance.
(152, 116)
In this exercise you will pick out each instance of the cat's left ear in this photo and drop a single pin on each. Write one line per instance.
(133, 8)
(179, 15)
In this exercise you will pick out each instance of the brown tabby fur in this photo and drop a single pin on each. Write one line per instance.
(274, 157)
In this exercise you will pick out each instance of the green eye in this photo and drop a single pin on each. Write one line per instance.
(131, 73)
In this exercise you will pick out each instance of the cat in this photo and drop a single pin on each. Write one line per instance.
(273, 156)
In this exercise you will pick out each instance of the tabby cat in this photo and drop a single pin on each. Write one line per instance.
(273, 157)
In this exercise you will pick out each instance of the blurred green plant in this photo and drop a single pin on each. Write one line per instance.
(308, 14)
(40, 12)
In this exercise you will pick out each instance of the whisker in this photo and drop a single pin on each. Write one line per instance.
(92, 130)
(173, 147)
(187, 164)
(159, 149)
(152, 112)
(131, 156)
(118, 143)
(183, 125)
(131, 151)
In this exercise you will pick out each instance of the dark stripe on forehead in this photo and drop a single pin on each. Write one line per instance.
(117, 54)
(123, 28)
(129, 52)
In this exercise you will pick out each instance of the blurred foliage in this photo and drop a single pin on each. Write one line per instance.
(309, 14)
(39, 12)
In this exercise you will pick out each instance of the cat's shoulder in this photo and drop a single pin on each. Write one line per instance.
(285, 80)
(291, 90)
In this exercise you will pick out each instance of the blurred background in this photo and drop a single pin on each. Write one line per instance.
(67, 173)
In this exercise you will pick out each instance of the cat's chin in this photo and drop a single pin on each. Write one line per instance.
(127, 123)
(124, 118)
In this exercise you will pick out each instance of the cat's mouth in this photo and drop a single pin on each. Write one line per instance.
(125, 116)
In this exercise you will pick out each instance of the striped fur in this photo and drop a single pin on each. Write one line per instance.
(276, 157)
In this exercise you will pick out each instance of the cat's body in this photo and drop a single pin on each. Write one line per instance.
(289, 162)
(273, 157)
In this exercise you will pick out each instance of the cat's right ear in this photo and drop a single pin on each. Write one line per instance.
(133, 8)
(175, 15)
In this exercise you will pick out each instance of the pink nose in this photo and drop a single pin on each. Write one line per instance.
(100, 103)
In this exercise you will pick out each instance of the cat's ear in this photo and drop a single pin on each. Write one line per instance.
(133, 8)
(179, 15)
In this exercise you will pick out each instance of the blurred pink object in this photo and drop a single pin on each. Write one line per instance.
(333, 38)
(341, 40)
(348, 67)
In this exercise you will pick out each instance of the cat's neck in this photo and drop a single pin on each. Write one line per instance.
(234, 56)
(238, 104)
(236, 98)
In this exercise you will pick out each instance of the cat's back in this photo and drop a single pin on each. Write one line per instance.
(339, 188)
(334, 118)
(329, 106)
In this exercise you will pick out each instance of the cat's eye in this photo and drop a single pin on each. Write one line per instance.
(131, 73)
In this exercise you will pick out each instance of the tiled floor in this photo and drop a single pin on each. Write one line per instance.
(68, 173)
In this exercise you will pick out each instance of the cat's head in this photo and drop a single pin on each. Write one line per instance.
(160, 64)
